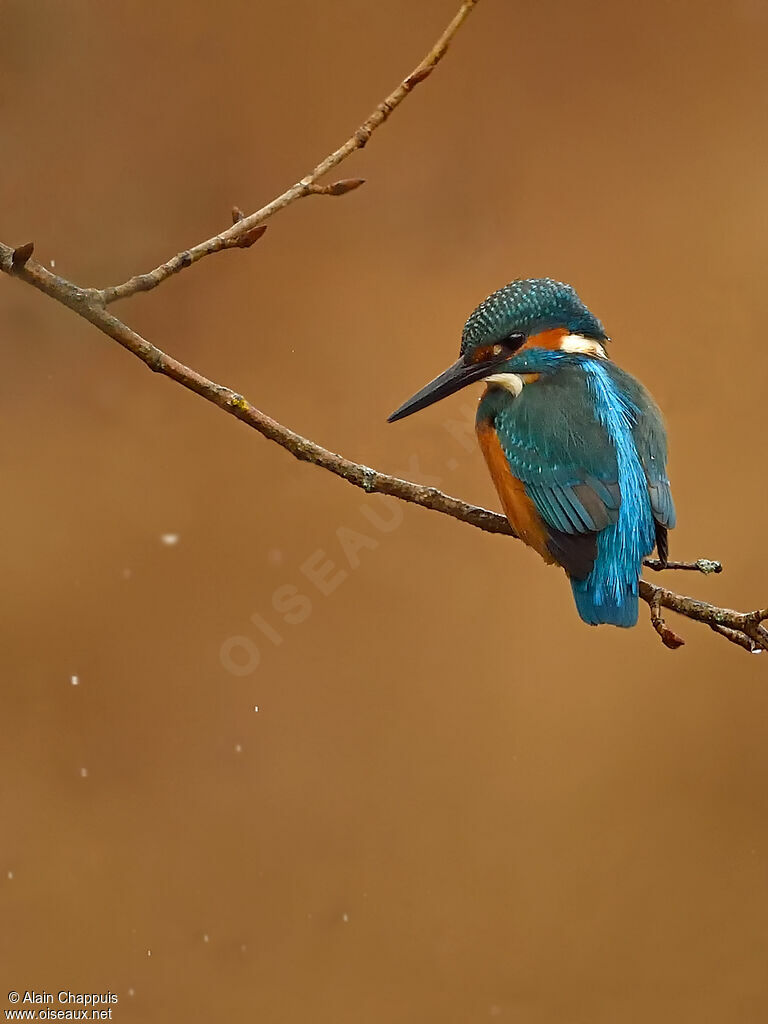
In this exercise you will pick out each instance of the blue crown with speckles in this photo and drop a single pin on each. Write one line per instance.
(529, 307)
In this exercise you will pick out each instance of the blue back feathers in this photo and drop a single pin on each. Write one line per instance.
(609, 593)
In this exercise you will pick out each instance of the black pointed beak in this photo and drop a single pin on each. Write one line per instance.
(454, 378)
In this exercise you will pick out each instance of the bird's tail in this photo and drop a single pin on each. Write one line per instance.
(597, 606)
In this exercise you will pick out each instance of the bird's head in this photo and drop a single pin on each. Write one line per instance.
(515, 330)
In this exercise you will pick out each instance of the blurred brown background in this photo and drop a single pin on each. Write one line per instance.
(455, 802)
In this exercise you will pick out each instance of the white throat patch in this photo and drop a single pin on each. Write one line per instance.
(584, 346)
(511, 381)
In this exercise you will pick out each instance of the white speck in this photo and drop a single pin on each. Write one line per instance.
(256, 708)
(206, 938)
(74, 680)
(169, 539)
(757, 650)
(10, 874)
(238, 748)
(53, 263)
(83, 773)
(345, 917)
(131, 992)
(149, 952)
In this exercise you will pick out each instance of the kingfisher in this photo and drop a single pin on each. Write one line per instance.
(576, 447)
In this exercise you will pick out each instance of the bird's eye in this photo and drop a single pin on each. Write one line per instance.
(508, 346)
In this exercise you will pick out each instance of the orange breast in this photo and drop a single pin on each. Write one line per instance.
(518, 507)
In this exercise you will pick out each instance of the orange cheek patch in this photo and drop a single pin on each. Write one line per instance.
(518, 507)
(546, 339)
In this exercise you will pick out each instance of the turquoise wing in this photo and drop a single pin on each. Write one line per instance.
(555, 437)
(566, 461)
(650, 439)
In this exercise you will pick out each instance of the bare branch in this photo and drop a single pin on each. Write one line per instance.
(80, 301)
(228, 239)
(742, 628)
(725, 621)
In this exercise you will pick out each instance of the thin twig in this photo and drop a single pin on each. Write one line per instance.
(737, 637)
(231, 237)
(705, 565)
(668, 636)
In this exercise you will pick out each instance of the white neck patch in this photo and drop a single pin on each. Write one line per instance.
(511, 381)
(584, 346)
